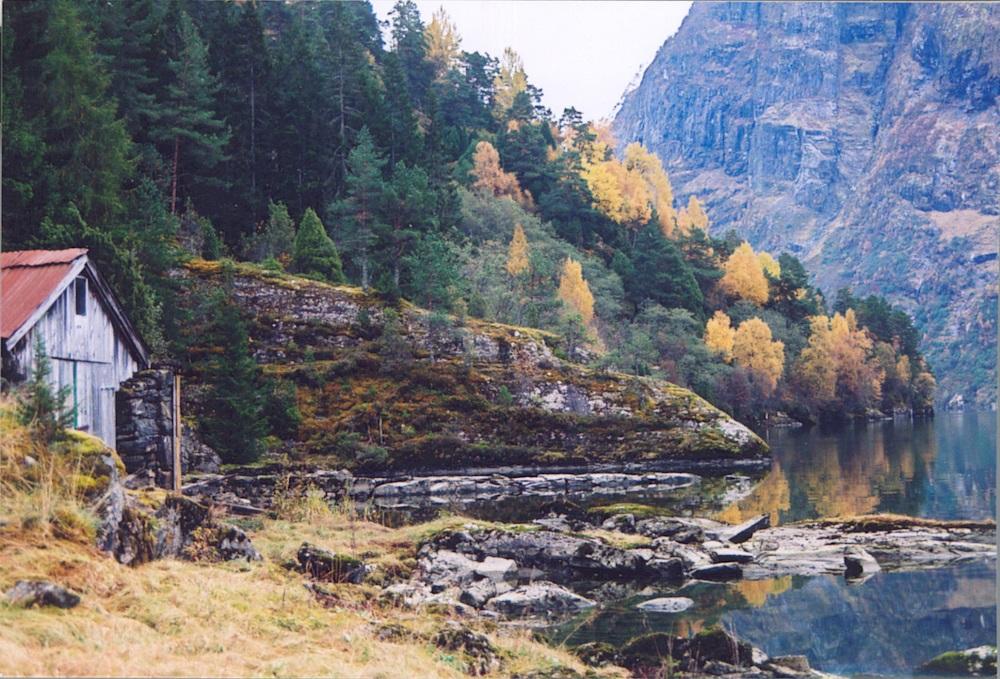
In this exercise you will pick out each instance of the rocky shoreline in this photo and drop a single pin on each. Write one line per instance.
(256, 488)
(551, 567)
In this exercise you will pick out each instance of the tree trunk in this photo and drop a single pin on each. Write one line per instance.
(173, 182)
(253, 130)
(364, 271)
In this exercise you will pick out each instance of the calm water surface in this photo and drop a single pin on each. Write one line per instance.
(942, 468)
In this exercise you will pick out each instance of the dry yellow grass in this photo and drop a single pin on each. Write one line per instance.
(179, 618)
(175, 618)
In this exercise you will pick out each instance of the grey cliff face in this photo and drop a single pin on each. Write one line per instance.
(863, 138)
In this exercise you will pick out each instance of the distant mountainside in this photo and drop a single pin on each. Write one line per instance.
(864, 138)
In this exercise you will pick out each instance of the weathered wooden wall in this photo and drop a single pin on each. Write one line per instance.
(88, 357)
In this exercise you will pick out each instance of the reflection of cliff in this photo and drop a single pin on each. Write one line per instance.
(890, 624)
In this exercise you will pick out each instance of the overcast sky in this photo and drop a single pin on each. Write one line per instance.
(580, 54)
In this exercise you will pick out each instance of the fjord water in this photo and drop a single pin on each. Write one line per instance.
(888, 625)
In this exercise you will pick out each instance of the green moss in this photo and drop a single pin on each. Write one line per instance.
(640, 511)
(962, 664)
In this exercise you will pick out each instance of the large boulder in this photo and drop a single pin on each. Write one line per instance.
(538, 599)
(322, 564)
(28, 593)
(134, 533)
(479, 655)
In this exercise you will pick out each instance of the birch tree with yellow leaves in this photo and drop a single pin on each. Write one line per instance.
(744, 276)
(574, 291)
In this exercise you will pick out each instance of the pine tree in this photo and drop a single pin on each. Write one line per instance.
(409, 44)
(661, 275)
(517, 254)
(277, 240)
(433, 276)
(409, 210)
(574, 291)
(315, 254)
(39, 407)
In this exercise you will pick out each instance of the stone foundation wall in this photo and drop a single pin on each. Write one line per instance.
(144, 409)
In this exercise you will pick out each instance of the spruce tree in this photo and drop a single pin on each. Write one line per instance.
(361, 211)
(315, 254)
(190, 132)
(233, 422)
(661, 274)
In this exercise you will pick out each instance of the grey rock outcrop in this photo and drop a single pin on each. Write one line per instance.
(860, 137)
(538, 598)
(28, 593)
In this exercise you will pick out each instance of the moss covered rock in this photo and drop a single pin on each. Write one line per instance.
(973, 662)
(478, 395)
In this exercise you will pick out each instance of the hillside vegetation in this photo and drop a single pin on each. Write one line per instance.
(291, 135)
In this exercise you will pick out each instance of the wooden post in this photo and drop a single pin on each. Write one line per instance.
(176, 473)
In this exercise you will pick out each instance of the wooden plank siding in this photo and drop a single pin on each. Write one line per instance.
(88, 356)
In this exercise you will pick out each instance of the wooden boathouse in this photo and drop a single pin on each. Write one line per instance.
(60, 298)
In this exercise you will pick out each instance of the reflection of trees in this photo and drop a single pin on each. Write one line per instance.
(756, 592)
(851, 470)
(769, 497)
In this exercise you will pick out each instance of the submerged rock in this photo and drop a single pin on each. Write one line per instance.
(718, 572)
(724, 555)
(28, 593)
(860, 564)
(666, 605)
(743, 532)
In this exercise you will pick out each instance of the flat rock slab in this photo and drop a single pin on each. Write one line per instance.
(718, 572)
(28, 593)
(725, 555)
(666, 605)
(743, 532)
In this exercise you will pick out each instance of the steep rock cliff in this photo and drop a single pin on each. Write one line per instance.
(864, 138)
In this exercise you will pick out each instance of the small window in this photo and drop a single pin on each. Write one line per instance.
(81, 296)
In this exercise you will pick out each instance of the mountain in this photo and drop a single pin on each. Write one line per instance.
(861, 137)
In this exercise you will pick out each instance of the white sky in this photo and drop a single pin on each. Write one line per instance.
(580, 54)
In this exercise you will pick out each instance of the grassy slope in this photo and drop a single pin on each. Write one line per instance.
(199, 619)
(181, 618)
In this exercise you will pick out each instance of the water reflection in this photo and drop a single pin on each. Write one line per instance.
(893, 622)
(889, 625)
(942, 468)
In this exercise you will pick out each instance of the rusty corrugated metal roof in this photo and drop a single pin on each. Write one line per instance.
(27, 279)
